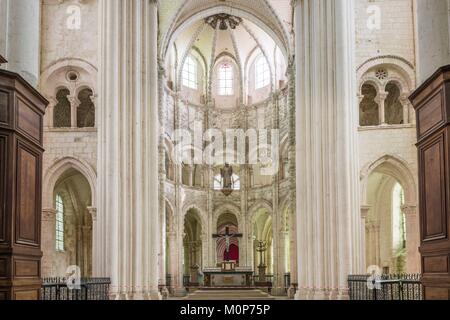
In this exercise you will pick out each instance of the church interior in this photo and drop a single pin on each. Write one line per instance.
(192, 149)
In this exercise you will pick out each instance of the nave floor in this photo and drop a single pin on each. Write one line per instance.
(229, 294)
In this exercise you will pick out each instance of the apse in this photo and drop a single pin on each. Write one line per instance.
(224, 61)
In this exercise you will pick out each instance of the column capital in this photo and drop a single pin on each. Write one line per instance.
(365, 211)
(360, 97)
(93, 212)
(409, 210)
(74, 102)
(48, 214)
(404, 98)
(94, 98)
(373, 226)
(52, 102)
(381, 97)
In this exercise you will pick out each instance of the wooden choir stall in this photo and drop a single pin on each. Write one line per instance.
(432, 104)
(21, 148)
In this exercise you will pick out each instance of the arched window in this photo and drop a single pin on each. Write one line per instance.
(262, 73)
(61, 113)
(59, 223)
(368, 108)
(398, 218)
(393, 107)
(226, 79)
(86, 110)
(190, 73)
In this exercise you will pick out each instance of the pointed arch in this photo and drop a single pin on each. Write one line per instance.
(395, 167)
(264, 16)
(60, 167)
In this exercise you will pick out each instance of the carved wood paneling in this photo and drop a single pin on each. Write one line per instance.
(21, 151)
(4, 107)
(3, 143)
(432, 104)
(27, 202)
(433, 195)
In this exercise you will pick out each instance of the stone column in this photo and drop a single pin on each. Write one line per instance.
(280, 263)
(94, 99)
(49, 112)
(20, 25)
(86, 236)
(412, 239)
(162, 180)
(293, 258)
(381, 99)
(278, 228)
(433, 37)
(128, 206)
(74, 104)
(406, 108)
(179, 290)
(95, 243)
(327, 190)
(190, 170)
(373, 240)
(173, 265)
(376, 242)
(292, 177)
(364, 214)
(48, 241)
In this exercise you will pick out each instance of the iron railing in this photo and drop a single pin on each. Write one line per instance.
(269, 279)
(385, 287)
(88, 289)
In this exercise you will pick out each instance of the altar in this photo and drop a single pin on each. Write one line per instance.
(228, 276)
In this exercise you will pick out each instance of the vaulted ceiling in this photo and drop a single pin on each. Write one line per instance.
(274, 17)
(220, 35)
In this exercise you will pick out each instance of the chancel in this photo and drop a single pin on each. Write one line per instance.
(298, 173)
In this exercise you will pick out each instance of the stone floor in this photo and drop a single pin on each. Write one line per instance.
(230, 294)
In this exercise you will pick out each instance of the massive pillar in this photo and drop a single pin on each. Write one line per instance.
(328, 215)
(433, 36)
(412, 239)
(128, 213)
(20, 37)
(48, 219)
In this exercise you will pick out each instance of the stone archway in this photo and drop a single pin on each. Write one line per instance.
(68, 226)
(379, 182)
